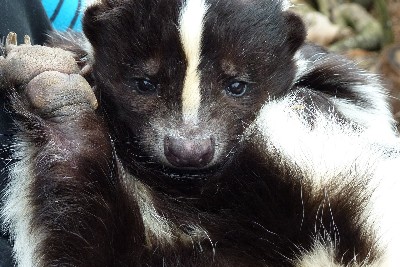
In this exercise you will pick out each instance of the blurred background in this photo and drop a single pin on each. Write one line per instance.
(367, 31)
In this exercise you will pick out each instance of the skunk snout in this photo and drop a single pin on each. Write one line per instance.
(189, 152)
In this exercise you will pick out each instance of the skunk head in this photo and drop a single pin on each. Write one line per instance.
(181, 81)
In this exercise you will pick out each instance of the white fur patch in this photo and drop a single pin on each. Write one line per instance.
(323, 256)
(17, 212)
(89, 3)
(191, 24)
(319, 256)
(332, 148)
(322, 151)
(158, 229)
(301, 65)
(385, 208)
(286, 4)
(377, 118)
(157, 226)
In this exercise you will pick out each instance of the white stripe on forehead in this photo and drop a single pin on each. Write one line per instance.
(191, 24)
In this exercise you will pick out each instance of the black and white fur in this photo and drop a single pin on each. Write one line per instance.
(222, 139)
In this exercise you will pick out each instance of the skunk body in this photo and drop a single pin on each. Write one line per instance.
(221, 140)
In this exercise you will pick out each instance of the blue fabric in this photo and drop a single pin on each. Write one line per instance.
(65, 14)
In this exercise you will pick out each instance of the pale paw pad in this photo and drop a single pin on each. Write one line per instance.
(55, 94)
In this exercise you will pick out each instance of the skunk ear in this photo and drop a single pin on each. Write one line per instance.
(90, 21)
(96, 15)
(296, 30)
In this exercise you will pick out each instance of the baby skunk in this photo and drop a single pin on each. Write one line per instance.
(222, 139)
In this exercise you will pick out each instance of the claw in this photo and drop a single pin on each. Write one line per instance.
(27, 40)
(11, 39)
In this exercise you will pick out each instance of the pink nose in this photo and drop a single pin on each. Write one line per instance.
(186, 153)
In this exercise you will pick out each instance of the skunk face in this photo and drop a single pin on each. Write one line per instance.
(192, 74)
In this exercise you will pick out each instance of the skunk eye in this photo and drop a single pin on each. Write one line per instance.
(145, 86)
(236, 88)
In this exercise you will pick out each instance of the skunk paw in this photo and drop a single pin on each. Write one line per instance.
(54, 94)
